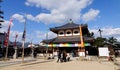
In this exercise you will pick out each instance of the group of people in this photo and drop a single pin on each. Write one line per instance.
(63, 56)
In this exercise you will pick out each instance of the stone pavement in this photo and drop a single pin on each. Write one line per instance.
(15, 61)
(41, 64)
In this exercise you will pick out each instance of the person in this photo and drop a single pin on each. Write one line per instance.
(68, 57)
(35, 54)
(59, 56)
(64, 56)
(116, 53)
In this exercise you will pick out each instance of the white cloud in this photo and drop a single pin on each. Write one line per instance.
(26, 3)
(19, 17)
(35, 37)
(62, 10)
(13, 34)
(30, 17)
(108, 32)
(90, 15)
(51, 35)
(5, 26)
(42, 35)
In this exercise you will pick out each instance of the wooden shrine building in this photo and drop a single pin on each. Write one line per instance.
(70, 37)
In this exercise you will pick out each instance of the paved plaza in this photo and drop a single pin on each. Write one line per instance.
(74, 64)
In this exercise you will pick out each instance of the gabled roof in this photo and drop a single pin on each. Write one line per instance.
(70, 39)
(69, 25)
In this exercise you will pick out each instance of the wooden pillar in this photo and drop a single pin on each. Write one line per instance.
(82, 48)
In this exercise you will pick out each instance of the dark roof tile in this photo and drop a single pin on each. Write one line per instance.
(67, 39)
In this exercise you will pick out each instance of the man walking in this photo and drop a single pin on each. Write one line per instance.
(59, 56)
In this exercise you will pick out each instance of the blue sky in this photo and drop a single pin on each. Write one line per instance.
(44, 14)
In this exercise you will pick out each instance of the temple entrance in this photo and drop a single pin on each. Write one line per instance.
(68, 49)
(72, 50)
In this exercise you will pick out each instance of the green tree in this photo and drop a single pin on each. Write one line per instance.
(99, 41)
(112, 40)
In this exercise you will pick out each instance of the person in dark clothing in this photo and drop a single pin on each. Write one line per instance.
(59, 56)
(64, 56)
(35, 54)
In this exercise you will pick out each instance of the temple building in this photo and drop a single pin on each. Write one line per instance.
(70, 37)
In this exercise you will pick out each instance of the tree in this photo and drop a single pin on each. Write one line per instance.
(91, 34)
(112, 40)
(99, 41)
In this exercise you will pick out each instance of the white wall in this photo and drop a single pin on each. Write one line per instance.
(71, 32)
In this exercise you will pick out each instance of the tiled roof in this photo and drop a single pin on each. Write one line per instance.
(69, 39)
(67, 26)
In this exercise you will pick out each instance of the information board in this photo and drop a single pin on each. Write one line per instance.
(103, 51)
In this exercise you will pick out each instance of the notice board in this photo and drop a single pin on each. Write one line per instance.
(103, 51)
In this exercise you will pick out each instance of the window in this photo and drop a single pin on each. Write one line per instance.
(68, 32)
(76, 32)
(61, 33)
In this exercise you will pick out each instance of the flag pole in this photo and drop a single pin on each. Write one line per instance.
(23, 51)
(15, 40)
(6, 53)
(23, 41)
(2, 44)
(15, 47)
(7, 39)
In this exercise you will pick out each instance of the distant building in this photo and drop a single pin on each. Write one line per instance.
(68, 37)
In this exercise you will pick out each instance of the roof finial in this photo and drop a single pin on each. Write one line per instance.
(70, 21)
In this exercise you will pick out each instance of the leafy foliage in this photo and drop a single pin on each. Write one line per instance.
(100, 41)
(112, 40)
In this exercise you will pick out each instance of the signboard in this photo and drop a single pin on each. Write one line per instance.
(103, 51)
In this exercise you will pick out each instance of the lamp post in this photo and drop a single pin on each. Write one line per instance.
(100, 31)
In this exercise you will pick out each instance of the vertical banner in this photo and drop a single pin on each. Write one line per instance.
(15, 40)
(7, 34)
(81, 37)
(7, 39)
